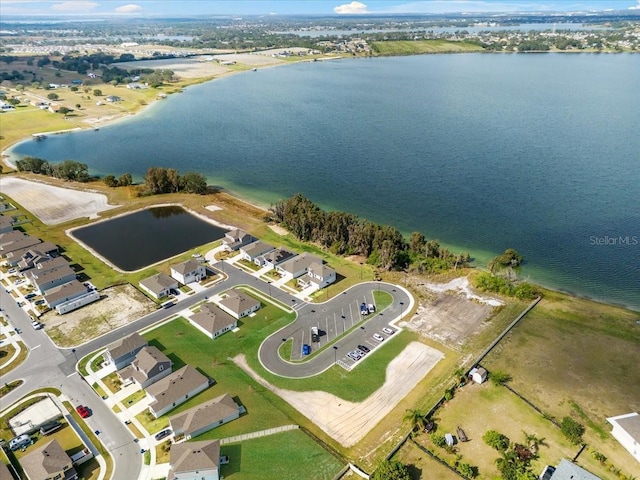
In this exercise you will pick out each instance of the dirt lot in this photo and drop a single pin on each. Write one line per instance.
(349, 422)
(53, 205)
(117, 306)
(450, 313)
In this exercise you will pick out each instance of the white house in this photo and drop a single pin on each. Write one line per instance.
(213, 321)
(188, 272)
(205, 417)
(195, 460)
(626, 429)
(169, 392)
(159, 285)
(238, 304)
(297, 266)
(254, 251)
(234, 239)
(318, 275)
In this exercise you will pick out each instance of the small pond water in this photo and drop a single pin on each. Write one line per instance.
(143, 238)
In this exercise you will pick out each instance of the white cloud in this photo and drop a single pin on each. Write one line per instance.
(78, 6)
(129, 8)
(637, 7)
(351, 8)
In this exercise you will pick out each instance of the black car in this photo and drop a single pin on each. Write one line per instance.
(164, 433)
(364, 348)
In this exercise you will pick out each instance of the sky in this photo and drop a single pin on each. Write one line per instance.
(296, 7)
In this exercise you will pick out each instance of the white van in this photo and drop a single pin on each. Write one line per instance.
(19, 442)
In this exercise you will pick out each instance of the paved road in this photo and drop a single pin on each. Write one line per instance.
(49, 366)
(333, 318)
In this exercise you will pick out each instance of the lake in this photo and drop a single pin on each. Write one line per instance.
(145, 237)
(537, 152)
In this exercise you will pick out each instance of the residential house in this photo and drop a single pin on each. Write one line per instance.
(149, 366)
(478, 374)
(626, 430)
(195, 460)
(30, 259)
(318, 276)
(25, 241)
(159, 285)
(175, 389)
(189, 271)
(275, 257)
(91, 295)
(9, 237)
(238, 304)
(123, 353)
(253, 251)
(65, 292)
(205, 417)
(213, 321)
(113, 99)
(235, 239)
(297, 266)
(44, 264)
(43, 281)
(47, 248)
(567, 470)
(6, 224)
(49, 462)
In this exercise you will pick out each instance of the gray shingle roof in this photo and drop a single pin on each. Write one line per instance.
(127, 345)
(186, 267)
(175, 386)
(237, 301)
(158, 282)
(212, 319)
(204, 414)
(570, 471)
(192, 456)
(45, 461)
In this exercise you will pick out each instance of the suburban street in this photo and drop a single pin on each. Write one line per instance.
(50, 366)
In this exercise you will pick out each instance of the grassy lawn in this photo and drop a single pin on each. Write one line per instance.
(89, 470)
(24, 351)
(288, 455)
(7, 387)
(416, 47)
(478, 408)
(421, 465)
(151, 424)
(566, 344)
(162, 452)
(134, 398)
(285, 349)
(99, 390)
(66, 437)
(135, 430)
(113, 382)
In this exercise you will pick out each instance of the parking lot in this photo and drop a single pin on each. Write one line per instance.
(342, 331)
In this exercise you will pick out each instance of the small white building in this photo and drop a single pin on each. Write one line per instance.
(213, 321)
(189, 271)
(626, 430)
(478, 374)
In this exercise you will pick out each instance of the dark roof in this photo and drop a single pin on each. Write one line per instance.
(127, 345)
(192, 456)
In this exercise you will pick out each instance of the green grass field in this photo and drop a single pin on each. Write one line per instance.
(288, 455)
(417, 47)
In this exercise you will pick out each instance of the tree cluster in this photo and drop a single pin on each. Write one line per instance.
(168, 180)
(123, 180)
(347, 234)
(514, 462)
(572, 430)
(66, 170)
(391, 470)
(487, 282)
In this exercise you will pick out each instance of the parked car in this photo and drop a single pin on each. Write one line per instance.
(164, 433)
(371, 307)
(36, 325)
(378, 337)
(83, 411)
(388, 331)
(306, 349)
(29, 296)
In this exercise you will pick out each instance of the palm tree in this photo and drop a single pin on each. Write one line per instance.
(416, 418)
(533, 441)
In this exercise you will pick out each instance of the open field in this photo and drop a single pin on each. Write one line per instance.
(51, 204)
(117, 306)
(349, 422)
(273, 457)
(576, 357)
(411, 47)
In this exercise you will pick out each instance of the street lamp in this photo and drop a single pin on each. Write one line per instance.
(401, 307)
(335, 354)
(73, 350)
(269, 283)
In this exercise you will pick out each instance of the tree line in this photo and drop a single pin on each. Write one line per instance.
(66, 170)
(347, 234)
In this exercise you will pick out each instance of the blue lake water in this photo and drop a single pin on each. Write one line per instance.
(536, 152)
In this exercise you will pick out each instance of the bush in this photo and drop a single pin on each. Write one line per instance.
(438, 440)
(496, 440)
(499, 378)
(572, 430)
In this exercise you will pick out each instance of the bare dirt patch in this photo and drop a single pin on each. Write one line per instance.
(279, 230)
(349, 422)
(182, 67)
(451, 314)
(51, 204)
(117, 306)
